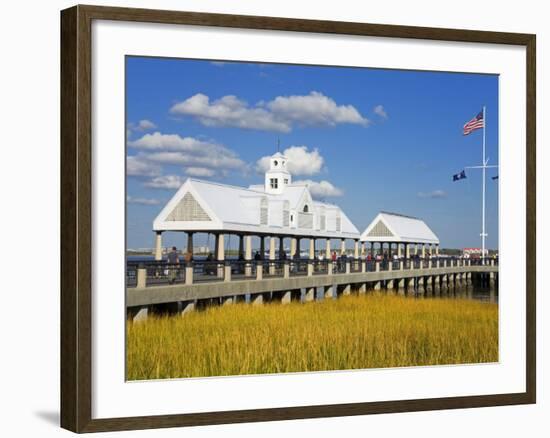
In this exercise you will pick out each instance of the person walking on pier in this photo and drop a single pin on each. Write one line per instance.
(173, 261)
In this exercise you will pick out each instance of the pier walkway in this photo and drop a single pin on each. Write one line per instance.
(183, 287)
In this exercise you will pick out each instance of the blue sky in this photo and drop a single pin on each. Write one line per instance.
(380, 139)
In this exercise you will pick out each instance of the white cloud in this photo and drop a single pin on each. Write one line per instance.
(142, 125)
(140, 166)
(210, 161)
(380, 111)
(228, 111)
(188, 151)
(321, 189)
(301, 161)
(142, 201)
(279, 114)
(200, 172)
(435, 194)
(169, 182)
(171, 142)
(314, 109)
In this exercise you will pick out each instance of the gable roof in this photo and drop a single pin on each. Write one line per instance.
(394, 227)
(209, 206)
(206, 205)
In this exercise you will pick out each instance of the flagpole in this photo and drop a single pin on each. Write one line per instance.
(484, 167)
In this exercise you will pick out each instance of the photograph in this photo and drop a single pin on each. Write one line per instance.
(285, 218)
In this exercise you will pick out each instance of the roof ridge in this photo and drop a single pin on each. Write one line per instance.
(401, 215)
(231, 186)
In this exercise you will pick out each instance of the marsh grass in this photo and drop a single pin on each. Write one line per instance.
(372, 331)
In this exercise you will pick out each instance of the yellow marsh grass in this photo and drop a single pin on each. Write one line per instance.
(371, 331)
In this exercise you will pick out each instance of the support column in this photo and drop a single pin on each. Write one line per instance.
(293, 247)
(185, 307)
(190, 244)
(492, 275)
(220, 247)
(390, 283)
(259, 299)
(259, 270)
(227, 301)
(311, 256)
(272, 255)
(139, 314)
(416, 249)
(311, 248)
(158, 246)
(421, 285)
(399, 251)
(363, 249)
(437, 249)
(241, 246)
(328, 255)
(262, 247)
(220, 253)
(389, 251)
(346, 289)
(141, 277)
(407, 251)
(298, 247)
(189, 273)
(372, 250)
(429, 284)
(286, 297)
(343, 247)
(423, 250)
(401, 281)
(248, 256)
(227, 271)
(356, 249)
(310, 294)
(377, 284)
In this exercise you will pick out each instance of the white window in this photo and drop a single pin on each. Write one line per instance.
(274, 183)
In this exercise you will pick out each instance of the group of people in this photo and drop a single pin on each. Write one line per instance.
(173, 259)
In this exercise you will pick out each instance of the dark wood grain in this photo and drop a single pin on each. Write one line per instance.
(76, 219)
(69, 326)
(531, 221)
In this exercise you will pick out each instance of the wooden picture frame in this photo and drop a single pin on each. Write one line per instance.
(76, 217)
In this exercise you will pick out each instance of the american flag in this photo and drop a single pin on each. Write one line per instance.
(476, 123)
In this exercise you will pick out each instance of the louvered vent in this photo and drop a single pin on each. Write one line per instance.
(286, 214)
(380, 230)
(263, 212)
(188, 209)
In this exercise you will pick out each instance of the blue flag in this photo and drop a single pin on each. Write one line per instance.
(459, 176)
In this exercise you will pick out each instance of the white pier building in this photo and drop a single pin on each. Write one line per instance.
(403, 232)
(277, 209)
